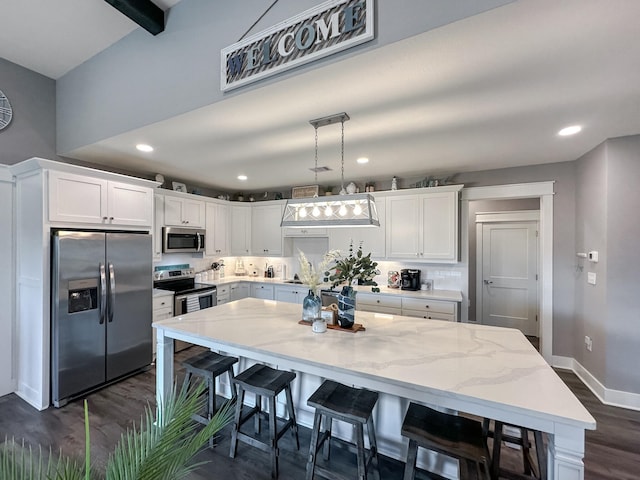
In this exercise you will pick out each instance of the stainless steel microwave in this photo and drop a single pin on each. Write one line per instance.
(182, 240)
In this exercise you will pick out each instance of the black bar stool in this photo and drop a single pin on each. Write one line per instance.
(537, 468)
(455, 436)
(267, 382)
(209, 365)
(333, 400)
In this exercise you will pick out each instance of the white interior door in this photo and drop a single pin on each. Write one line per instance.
(509, 276)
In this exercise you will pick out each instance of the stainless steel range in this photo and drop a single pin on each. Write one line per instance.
(189, 296)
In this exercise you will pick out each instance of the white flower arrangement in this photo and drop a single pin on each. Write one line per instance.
(314, 277)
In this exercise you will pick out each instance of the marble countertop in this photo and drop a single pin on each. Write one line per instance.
(447, 295)
(487, 370)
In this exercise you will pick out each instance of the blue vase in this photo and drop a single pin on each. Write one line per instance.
(311, 307)
(346, 307)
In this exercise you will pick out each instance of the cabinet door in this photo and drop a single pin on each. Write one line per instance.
(158, 223)
(404, 227)
(240, 230)
(77, 199)
(266, 233)
(216, 217)
(173, 211)
(193, 213)
(440, 227)
(289, 294)
(372, 239)
(262, 291)
(238, 291)
(129, 204)
(183, 212)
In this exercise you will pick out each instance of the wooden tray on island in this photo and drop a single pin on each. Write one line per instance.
(356, 327)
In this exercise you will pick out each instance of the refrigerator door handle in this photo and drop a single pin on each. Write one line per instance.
(103, 293)
(112, 291)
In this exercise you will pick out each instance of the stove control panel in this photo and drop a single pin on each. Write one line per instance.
(173, 274)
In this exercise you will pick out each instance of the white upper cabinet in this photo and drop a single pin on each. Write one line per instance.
(88, 200)
(266, 233)
(183, 212)
(217, 224)
(372, 239)
(240, 230)
(423, 227)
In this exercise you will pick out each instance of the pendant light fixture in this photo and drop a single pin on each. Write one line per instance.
(344, 210)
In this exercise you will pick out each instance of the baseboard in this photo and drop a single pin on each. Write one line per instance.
(608, 396)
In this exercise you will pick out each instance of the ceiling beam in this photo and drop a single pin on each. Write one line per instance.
(144, 12)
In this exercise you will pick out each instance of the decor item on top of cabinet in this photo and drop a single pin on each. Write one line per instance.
(179, 187)
(354, 268)
(339, 211)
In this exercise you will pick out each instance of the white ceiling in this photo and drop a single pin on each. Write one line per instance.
(486, 92)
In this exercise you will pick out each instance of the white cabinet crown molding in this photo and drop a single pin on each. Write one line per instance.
(26, 167)
(5, 174)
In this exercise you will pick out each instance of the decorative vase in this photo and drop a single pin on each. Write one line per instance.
(311, 307)
(346, 306)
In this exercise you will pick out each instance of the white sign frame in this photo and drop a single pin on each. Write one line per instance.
(365, 36)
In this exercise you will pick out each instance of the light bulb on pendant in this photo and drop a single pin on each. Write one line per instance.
(357, 210)
(315, 212)
(302, 212)
(343, 210)
(328, 211)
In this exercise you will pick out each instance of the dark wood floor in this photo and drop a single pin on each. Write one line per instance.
(612, 451)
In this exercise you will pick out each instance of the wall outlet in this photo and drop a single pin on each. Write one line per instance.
(588, 343)
(591, 278)
(593, 256)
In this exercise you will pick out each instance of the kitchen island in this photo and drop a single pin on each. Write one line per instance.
(484, 371)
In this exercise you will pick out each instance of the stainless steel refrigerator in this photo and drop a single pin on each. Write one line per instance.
(101, 309)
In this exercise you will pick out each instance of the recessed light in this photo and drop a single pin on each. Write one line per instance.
(572, 130)
(362, 160)
(242, 177)
(143, 147)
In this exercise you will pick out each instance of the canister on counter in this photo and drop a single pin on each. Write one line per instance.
(393, 279)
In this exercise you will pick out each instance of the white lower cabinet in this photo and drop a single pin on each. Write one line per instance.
(224, 294)
(162, 309)
(431, 309)
(290, 294)
(238, 291)
(374, 302)
(261, 290)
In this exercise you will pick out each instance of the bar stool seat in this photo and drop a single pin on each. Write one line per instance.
(333, 400)
(264, 381)
(209, 365)
(536, 469)
(455, 436)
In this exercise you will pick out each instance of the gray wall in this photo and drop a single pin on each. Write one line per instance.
(591, 234)
(32, 131)
(144, 79)
(623, 264)
(563, 174)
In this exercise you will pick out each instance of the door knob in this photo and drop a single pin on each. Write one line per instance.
(488, 282)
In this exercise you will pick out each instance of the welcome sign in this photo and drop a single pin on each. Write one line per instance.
(328, 28)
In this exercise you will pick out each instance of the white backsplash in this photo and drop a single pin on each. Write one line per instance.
(444, 277)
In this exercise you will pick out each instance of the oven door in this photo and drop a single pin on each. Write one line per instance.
(192, 302)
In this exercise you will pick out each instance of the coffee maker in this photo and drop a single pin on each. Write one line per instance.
(409, 279)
